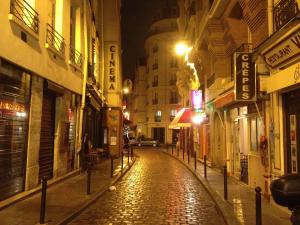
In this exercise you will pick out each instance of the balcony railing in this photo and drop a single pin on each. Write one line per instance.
(54, 40)
(26, 14)
(76, 57)
(284, 11)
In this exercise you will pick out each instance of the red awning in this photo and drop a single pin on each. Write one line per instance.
(182, 119)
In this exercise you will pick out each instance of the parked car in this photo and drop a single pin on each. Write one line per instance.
(148, 142)
(132, 141)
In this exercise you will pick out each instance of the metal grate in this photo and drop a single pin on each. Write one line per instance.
(26, 14)
(284, 11)
(76, 57)
(55, 40)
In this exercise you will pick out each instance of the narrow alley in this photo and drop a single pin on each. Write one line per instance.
(157, 190)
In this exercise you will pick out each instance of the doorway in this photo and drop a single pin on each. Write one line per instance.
(159, 134)
(292, 119)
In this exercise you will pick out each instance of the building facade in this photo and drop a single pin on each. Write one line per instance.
(252, 111)
(52, 88)
(162, 65)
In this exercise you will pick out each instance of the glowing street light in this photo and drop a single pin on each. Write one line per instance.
(126, 90)
(181, 49)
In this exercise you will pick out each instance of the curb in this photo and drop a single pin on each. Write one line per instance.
(93, 199)
(27, 194)
(221, 205)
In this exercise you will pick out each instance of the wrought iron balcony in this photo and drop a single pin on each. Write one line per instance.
(283, 12)
(54, 40)
(76, 57)
(25, 14)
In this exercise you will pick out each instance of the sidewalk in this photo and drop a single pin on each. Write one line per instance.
(240, 206)
(65, 199)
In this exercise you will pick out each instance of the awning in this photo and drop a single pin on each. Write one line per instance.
(182, 119)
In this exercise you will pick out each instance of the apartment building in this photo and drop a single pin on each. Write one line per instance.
(53, 89)
(162, 65)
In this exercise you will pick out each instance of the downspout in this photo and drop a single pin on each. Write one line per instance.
(85, 65)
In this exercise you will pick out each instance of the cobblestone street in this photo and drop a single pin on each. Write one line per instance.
(157, 190)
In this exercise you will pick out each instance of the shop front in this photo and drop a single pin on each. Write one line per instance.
(14, 110)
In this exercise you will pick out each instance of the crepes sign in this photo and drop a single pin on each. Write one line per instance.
(245, 77)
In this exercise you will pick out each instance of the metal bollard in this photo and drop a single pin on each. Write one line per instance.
(195, 156)
(43, 200)
(258, 205)
(128, 156)
(225, 183)
(88, 185)
(205, 171)
(111, 166)
(122, 155)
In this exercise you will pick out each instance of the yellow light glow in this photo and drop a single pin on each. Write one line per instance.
(10, 16)
(181, 49)
(126, 90)
(197, 119)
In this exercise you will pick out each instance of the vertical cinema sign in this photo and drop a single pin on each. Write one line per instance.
(245, 77)
(112, 66)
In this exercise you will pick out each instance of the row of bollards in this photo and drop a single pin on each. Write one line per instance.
(258, 208)
(88, 184)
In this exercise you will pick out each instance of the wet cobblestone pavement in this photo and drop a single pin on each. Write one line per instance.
(157, 190)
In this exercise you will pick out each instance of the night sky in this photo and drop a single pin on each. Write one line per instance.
(136, 16)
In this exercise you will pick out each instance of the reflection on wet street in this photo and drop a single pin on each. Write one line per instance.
(157, 190)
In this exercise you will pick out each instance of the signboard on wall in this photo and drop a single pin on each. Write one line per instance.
(283, 52)
(112, 66)
(244, 77)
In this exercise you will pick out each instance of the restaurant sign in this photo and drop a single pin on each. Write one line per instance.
(245, 77)
(283, 52)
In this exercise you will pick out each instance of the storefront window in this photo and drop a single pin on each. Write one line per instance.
(14, 109)
(256, 132)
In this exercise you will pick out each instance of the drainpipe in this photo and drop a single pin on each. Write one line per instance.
(85, 65)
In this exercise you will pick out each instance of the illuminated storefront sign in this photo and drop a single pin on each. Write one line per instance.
(283, 52)
(197, 99)
(245, 77)
(112, 66)
(12, 106)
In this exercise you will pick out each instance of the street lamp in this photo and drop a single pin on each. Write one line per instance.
(181, 48)
(126, 90)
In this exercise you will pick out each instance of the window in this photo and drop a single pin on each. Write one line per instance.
(172, 114)
(155, 99)
(155, 65)
(24, 12)
(157, 117)
(76, 57)
(173, 79)
(173, 62)
(155, 48)
(155, 81)
(173, 97)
